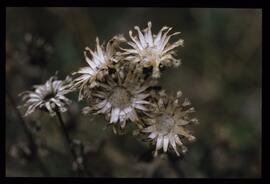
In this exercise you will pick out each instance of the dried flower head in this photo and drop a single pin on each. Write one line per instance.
(48, 96)
(121, 96)
(98, 65)
(168, 125)
(152, 50)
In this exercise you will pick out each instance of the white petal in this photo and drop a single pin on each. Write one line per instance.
(158, 37)
(167, 39)
(172, 142)
(149, 37)
(57, 85)
(134, 39)
(141, 107)
(178, 141)
(182, 122)
(34, 95)
(101, 104)
(31, 100)
(153, 135)
(130, 51)
(142, 102)
(172, 46)
(160, 45)
(81, 79)
(105, 109)
(114, 115)
(127, 110)
(95, 57)
(165, 143)
(57, 102)
(133, 116)
(134, 46)
(142, 96)
(89, 61)
(48, 106)
(99, 50)
(141, 37)
(159, 142)
(63, 98)
(180, 130)
(85, 70)
(148, 129)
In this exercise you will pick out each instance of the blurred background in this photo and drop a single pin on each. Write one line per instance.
(220, 73)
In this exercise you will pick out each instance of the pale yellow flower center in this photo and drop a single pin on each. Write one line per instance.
(150, 55)
(120, 97)
(165, 123)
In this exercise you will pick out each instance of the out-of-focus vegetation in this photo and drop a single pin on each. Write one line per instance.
(220, 73)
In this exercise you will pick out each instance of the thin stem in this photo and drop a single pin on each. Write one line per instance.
(69, 141)
(63, 128)
(30, 137)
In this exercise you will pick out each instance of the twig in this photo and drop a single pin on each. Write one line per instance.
(70, 143)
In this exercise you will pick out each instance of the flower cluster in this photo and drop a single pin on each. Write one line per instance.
(121, 83)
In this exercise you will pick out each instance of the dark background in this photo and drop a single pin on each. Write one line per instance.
(220, 73)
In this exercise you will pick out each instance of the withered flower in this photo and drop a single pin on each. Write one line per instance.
(168, 124)
(121, 96)
(98, 65)
(152, 50)
(48, 96)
